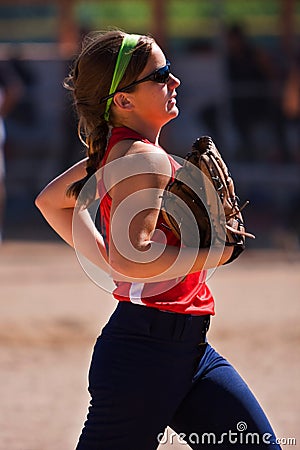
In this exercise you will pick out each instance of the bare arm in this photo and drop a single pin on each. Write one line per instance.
(135, 251)
(59, 211)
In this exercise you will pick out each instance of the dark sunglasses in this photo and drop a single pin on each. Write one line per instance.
(161, 75)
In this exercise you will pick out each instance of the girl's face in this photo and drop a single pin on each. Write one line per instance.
(154, 102)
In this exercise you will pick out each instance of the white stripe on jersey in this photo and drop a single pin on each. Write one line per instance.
(135, 293)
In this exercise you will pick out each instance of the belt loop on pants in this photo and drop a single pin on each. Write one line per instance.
(199, 326)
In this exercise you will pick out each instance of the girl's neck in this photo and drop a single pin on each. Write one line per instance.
(149, 132)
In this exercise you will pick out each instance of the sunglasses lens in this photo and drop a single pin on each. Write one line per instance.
(162, 75)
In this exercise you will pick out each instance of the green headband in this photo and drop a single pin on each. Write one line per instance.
(128, 44)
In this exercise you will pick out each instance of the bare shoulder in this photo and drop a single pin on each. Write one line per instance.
(145, 147)
(149, 157)
(133, 158)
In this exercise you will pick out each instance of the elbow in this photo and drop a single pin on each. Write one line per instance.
(40, 201)
(43, 202)
(37, 202)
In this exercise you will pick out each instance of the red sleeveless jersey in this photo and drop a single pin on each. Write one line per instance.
(188, 294)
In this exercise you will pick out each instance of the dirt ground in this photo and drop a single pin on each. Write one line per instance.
(51, 313)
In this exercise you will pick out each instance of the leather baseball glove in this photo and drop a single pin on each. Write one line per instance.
(200, 205)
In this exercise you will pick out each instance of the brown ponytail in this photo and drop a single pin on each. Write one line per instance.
(96, 144)
(89, 82)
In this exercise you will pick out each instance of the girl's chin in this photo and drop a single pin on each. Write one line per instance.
(172, 115)
(172, 108)
(174, 111)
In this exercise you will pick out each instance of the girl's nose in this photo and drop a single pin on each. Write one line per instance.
(174, 82)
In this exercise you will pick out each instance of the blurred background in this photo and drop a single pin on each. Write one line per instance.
(239, 64)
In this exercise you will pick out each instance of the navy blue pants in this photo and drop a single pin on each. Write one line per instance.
(151, 369)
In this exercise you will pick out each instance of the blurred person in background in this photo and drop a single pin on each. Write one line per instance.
(11, 90)
(255, 100)
(291, 107)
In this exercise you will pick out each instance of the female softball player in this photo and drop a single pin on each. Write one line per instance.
(152, 365)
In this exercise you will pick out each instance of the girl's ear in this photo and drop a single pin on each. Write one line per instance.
(123, 101)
